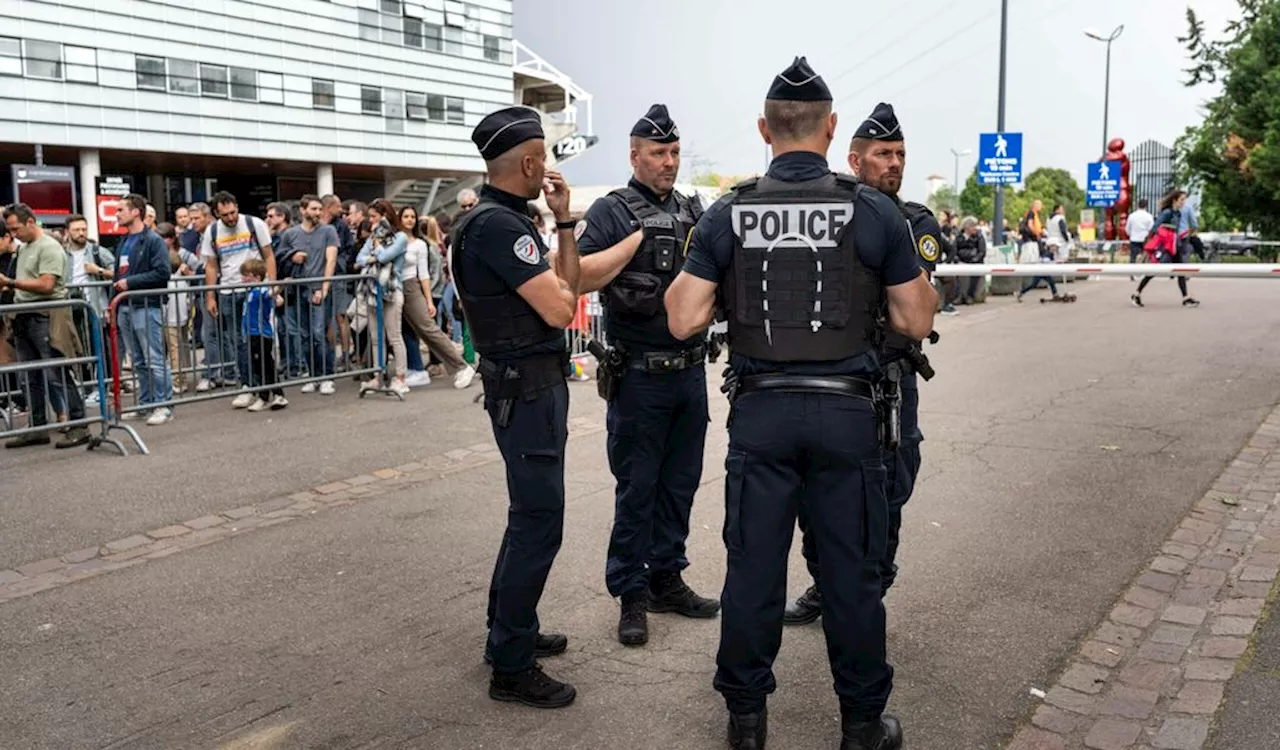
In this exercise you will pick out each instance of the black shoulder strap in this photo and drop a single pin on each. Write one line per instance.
(746, 185)
(457, 236)
(93, 253)
(848, 182)
(637, 204)
(691, 202)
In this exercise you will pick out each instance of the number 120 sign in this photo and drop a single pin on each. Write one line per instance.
(573, 145)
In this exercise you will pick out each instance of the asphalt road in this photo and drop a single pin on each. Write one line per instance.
(1064, 442)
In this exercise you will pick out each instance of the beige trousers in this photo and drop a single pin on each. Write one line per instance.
(415, 312)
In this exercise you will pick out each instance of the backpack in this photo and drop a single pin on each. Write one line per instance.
(1024, 226)
(213, 238)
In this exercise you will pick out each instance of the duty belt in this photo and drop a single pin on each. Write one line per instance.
(839, 385)
(668, 361)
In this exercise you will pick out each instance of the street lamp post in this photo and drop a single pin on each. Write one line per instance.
(997, 222)
(956, 183)
(1106, 97)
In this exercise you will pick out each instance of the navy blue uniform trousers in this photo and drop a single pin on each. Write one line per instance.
(532, 447)
(903, 467)
(657, 429)
(819, 452)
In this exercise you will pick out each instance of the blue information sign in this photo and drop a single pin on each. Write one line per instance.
(999, 158)
(1102, 186)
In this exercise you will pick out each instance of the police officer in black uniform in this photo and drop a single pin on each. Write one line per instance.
(517, 306)
(877, 156)
(632, 243)
(806, 261)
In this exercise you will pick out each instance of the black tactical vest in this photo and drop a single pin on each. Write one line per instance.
(634, 299)
(796, 290)
(501, 323)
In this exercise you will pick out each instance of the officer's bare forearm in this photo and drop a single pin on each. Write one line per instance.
(911, 307)
(598, 269)
(568, 265)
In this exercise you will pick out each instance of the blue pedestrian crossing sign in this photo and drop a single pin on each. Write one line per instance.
(1102, 186)
(999, 158)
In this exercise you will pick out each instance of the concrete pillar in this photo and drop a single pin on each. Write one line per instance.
(324, 179)
(90, 171)
(156, 194)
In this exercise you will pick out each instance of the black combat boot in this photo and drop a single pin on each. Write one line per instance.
(669, 593)
(547, 644)
(804, 610)
(749, 731)
(531, 687)
(633, 625)
(884, 733)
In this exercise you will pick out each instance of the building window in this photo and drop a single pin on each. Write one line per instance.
(371, 100)
(394, 110)
(453, 40)
(44, 59)
(415, 106)
(244, 84)
(492, 48)
(82, 64)
(213, 80)
(370, 25)
(432, 37)
(435, 108)
(150, 72)
(322, 94)
(412, 32)
(455, 111)
(10, 56)
(184, 77)
(391, 7)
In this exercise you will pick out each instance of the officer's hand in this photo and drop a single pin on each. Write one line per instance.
(557, 192)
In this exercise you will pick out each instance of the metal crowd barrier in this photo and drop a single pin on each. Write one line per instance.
(1199, 270)
(42, 375)
(170, 365)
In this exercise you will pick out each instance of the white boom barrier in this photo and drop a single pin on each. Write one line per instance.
(1199, 270)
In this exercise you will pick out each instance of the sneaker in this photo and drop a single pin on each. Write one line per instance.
(92, 397)
(462, 379)
(327, 388)
(949, 310)
(243, 400)
(398, 386)
(1018, 296)
(179, 388)
(160, 416)
(1190, 302)
(31, 438)
(531, 687)
(417, 379)
(130, 416)
(308, 388)
(278, 403)
(669, 593)
(75, 437)
(1135, 300)
(371, 384)
(258, 405)
(436, 371)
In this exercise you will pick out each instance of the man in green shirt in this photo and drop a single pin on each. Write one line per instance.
(41, 267)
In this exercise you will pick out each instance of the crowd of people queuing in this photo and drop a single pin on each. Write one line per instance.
(294, 297)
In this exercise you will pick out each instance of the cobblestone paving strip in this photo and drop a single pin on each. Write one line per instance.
(1152, 675)
(42, 575)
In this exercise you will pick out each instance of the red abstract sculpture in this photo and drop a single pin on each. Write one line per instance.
(1118, 215)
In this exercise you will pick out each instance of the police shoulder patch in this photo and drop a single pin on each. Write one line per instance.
(580, 229)
(928, 248)
(527, 250)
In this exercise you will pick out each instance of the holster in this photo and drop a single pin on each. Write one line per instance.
(507, 382)
(610, 365)
(890, 407)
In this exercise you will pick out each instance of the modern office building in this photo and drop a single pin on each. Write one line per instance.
(364, 98)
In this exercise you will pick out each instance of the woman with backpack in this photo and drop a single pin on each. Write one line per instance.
(1163, 246)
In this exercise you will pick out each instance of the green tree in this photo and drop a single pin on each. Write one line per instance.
(977, 200)
(1234, 156)
(943, 199)
(710, 179)
(1054, 186)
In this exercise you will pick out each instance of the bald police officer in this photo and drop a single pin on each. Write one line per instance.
(632, 244)
(808, 260)
(517, 306)
(878, 156)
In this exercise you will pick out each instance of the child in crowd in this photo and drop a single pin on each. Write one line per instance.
(177, 312)
(255, 326)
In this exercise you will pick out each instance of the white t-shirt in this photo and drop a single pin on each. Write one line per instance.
(1139, 225)
(78, 260)
(416, 257)
(235, 245)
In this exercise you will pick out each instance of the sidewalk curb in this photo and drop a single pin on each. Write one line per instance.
(1152, 675)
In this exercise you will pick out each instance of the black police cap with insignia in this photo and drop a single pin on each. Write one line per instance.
(799, 83)
(881, 125)
(501, 131)
(656, 126)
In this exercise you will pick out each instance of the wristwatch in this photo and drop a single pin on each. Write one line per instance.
(564, 225)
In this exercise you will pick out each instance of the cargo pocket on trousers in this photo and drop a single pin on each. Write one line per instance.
(735, 468)
(875, 503)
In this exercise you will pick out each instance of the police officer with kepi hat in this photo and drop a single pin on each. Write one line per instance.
(805, 262)
(632, 244)
(517, 306)
(877, 156)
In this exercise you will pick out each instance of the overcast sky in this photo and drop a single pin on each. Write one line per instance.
(936, 61)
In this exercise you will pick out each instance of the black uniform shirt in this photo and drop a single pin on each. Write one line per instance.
(880, 235)
(609, 222)
(926, 234)
(503, 251)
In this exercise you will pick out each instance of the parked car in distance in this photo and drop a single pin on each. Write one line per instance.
(1230, 243)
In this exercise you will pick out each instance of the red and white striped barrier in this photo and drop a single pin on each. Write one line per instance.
(1213, 270)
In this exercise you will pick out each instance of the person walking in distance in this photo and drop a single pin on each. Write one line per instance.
(803, 428)
(632, 243)
(1166, 246)
(518, 306)
(1138, 227)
